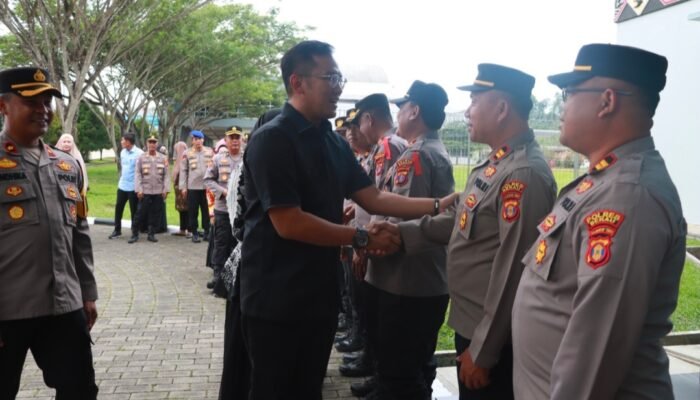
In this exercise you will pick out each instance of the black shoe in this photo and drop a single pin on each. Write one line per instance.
(361, 389)
(114, 234)
(134, 239)
(152, 238)
(211, 283)
(343, 324)
(352, 357)
(205, 236)
(356, 369)
(353, 343)
(195, 238)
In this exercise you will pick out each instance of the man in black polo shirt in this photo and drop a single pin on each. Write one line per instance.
(297, 173)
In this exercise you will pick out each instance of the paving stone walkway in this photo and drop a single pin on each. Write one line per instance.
(160, 331)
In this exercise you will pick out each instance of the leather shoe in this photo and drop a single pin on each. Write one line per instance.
(211, 283)
(195, 238)
(361, 389)
(152, 238)
(354, 343)
(134, 239)
(356, 369)
(114, 234)
(352, 357)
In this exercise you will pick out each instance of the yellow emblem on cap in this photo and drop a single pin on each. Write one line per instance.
(484, 83)
(14, 190)
(16, 212)
(39, 76)
(6, 163)
(583, 67)
(64, 166)
(352, 114)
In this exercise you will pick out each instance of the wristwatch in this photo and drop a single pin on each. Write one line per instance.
(360, 239)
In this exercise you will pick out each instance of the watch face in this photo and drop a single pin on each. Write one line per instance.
(361, 238)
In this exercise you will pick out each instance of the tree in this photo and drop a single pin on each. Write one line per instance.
(93, 135)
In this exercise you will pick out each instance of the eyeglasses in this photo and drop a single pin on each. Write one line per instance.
(335, 80)
(566, 92)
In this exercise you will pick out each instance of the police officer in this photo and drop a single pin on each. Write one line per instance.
(47, 285)
(409, 293)
(192, 168)
(492, 227)
(601, 281)
(152, 185)
(216, 180)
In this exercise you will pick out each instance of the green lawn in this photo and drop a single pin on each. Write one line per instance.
(561, 175)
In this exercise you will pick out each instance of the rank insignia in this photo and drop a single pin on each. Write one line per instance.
(602, 226)
(50, 152)
(541, 251)
(490, 170)
(10, 148)
(583, 186)
(605, 163)
(548, 222)
(463, 220)
(16, 212)
(403, 167)
(6, 163)
(14, 190)
(470, 201)
(73, 211)
(72, 192)
(224, 178)
(511, 193)
(145, 171)
(501, 153)
(64, 166)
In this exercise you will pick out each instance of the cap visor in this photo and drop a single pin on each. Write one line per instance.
(569, 78)
(35, 92)
(474, 88)
(399, 101)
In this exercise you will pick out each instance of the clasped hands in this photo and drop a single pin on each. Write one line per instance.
(384, 238)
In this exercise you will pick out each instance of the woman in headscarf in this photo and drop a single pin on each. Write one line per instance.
(66, 144)
(180, 199)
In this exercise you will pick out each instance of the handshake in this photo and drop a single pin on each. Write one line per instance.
(384, 238)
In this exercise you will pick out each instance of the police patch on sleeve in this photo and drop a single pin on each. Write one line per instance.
(548, 222)
(403, 167)
(511, 193)
(602, 226)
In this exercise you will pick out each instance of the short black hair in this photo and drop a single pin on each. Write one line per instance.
(300, 58)
(130, 137)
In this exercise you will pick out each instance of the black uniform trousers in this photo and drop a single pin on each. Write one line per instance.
(197, 201)
(500, 376)
(235, 376)
(403, 331)
(224, 243)
(288, 358)
(122, 197)
(150, 212)
(61, 347)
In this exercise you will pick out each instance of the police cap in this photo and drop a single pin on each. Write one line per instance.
(375, 101)
(499, 77)
(197, 134)
(27, 82)
(234, 131)
(432, 100)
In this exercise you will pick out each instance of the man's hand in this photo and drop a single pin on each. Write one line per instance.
(184, 192)
(448, 201)
(139, 195)
(472, 376)
(348, 213)
(225, 194)
(90, 313)
(384, 238)
(359, 265)
(165, 195)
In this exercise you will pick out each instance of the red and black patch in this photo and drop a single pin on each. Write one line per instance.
(602, 226)
(403, 167)
(511, 194)
(584, 186)
(548, 222)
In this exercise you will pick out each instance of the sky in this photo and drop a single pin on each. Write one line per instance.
(443, 41)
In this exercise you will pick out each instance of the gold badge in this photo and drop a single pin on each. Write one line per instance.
(584, 185)
(16, 212)
(501, 153)
(470, 201)
(6, 163)
(490, 170)
(72, 192)
(14, 190)
(10, 148)
(541, 251)
(463, 220)
(548, 223)
(39, 76)
(64, 166)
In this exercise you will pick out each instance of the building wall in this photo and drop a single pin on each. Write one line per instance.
(676, 128)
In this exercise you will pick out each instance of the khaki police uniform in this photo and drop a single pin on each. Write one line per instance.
(217, 176)
(152, 179)
(46, 266)
(600, 283)
(193, 166)
(487, 233)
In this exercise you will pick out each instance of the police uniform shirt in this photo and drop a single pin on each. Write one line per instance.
(423, 170)
(217, 177)
(488, 232)
(152, 174)
(46, 264)
(600, 284)
(193, 166)
(289, 162)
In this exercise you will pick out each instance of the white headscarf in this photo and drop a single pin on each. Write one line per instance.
(67, 140)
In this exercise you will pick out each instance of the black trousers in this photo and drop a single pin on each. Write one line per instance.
(501, 375)
(235, 376)
(403, 331)
(184, 220)
(122, 198)
(150, 211)
(61, 348)
(288, 358)
(224, 242)
(197, 202)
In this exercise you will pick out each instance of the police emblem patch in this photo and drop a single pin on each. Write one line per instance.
(463, 220)
(16, 212)
(602, 226)
(14, 190)
(10, 148)
(541, 251)
(470, 201)
(64, 166)
(73, 211)
(490, 171)
(403, 167)
(6, 163)
(72, 192)
(511, 193)
(583, 186)
(548, 222)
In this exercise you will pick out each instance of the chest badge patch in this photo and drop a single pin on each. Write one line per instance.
(511, 193)
(10, 148)
(72, 192)
(584, 186)
(602, 227)
(470, 201)
(541, 251)
(6, 163)
(403, 167)
(490, 171)
(463, 220)
(16, 212)
(64, 166)
(548, 222)
(14, 190)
